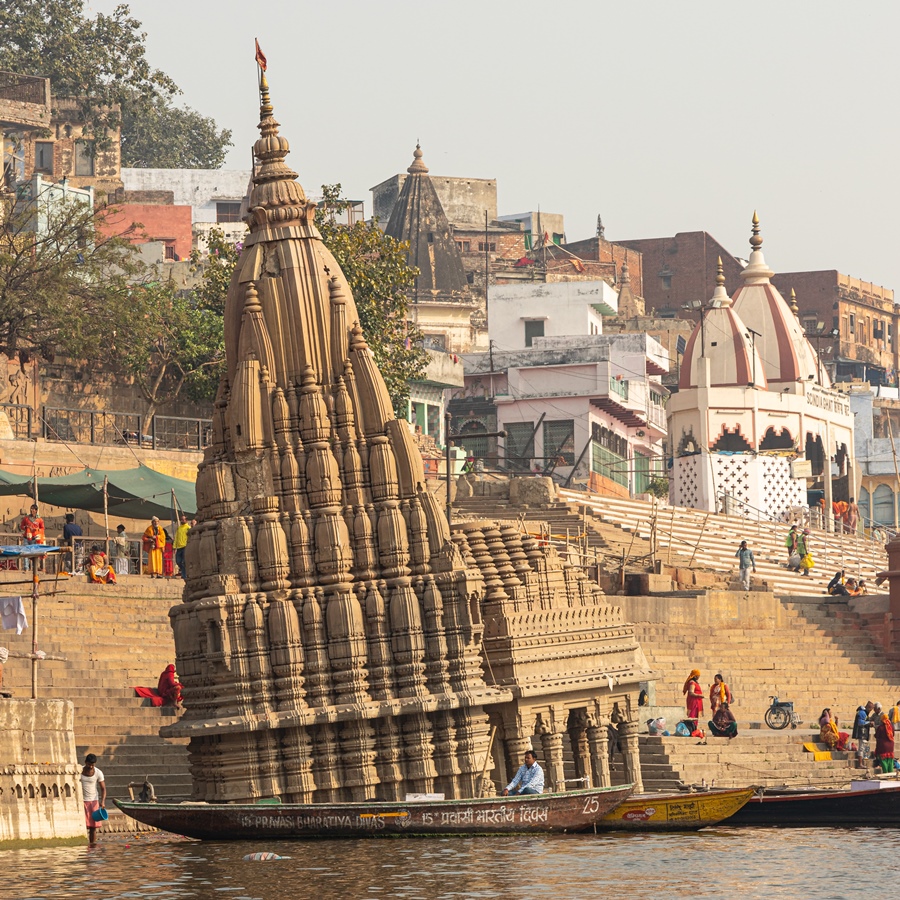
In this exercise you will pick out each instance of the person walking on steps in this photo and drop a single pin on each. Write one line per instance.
(790, 543)
(746, 563)
(806, 560)
(93, 787)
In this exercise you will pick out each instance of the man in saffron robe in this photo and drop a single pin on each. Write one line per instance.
(169, 688)
(154, 542)
(693, 695)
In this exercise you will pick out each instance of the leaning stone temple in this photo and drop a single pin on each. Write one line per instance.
(336, 639)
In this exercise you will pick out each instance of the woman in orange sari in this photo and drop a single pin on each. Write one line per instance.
(719, 693)
(828, 732)
(154, 541)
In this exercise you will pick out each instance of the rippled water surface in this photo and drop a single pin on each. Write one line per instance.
(723, 862)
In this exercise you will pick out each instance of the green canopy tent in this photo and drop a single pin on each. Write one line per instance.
(138, 493)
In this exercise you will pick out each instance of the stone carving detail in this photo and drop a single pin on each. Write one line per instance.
(335, 640)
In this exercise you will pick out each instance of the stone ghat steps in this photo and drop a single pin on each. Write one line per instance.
(721, 535)
(608, 539)
(823, 656)
(113, 637)
(164, 765)
(752, 758)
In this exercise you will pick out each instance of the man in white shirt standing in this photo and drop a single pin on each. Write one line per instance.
(93, 787)
(529, 779)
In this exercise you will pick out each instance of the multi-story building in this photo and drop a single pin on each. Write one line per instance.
(24, 111)
(587, 406)
(854, 323)
(215, 197)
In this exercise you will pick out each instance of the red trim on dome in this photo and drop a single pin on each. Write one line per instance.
(742, 361)
(787, 355)
(684, 377)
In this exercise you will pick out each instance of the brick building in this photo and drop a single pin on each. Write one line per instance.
(679, 270)
(146, 216)
(863, 315)
(65, 152)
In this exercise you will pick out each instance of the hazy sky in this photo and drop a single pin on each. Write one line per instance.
(660, 116)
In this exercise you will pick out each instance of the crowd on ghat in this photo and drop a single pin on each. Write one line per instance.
(868, 720)
(103, 560)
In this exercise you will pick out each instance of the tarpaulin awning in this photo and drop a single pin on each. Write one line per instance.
(29, 550)
(138, 493)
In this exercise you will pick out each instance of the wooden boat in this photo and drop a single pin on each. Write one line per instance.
(572, 811)
(811, 807)
(674, 812)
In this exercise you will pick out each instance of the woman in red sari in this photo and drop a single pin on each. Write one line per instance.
(693, 695)
(884, 744)
(168, 687)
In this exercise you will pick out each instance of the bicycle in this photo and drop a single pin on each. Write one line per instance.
(781, 714)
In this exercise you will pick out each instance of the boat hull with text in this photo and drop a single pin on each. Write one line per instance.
(825, 807)
(569, 812)
(674, 812)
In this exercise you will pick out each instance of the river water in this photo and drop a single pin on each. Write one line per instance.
(740, 863)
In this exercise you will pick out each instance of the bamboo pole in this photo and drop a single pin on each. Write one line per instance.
(487, 757)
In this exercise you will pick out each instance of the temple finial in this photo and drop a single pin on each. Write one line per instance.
(417, 167)
(755, 239)
(794, 308)
(265, 102)
(720, 273)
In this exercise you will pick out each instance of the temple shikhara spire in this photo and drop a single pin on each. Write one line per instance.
(336, 640)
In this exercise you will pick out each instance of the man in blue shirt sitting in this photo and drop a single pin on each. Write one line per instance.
(529, 778)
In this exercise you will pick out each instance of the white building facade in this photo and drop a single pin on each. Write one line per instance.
(755, 424)
(214, 195)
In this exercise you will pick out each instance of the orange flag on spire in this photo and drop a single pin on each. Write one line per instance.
(260, 57)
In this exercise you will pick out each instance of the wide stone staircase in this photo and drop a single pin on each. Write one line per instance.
(814, 651)
(588, 537)
(713, 538)
(113, 637)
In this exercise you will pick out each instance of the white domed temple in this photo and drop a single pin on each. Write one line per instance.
(755, 422)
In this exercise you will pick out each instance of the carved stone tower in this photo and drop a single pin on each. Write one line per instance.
(331, 635)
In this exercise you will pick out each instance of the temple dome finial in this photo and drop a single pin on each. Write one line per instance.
(276, 192)
(756, 239)
(794, 308)
(720, 273)
(417, 167)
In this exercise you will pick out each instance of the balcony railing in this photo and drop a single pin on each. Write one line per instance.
(86, 426)
(619, 386)
(24, 88)
(656, 415)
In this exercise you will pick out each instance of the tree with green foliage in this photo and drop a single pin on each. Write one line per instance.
(170, 343)
(64, 284)
(174, 340)
(101, 64)
(379, 276)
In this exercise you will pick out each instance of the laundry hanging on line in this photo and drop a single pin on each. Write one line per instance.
(12, 614)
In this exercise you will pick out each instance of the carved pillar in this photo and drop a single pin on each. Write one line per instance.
(580, 753)
(598, 741)
(631, 754)
(552, 746)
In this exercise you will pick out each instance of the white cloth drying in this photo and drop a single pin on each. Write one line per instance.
(12, 614)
